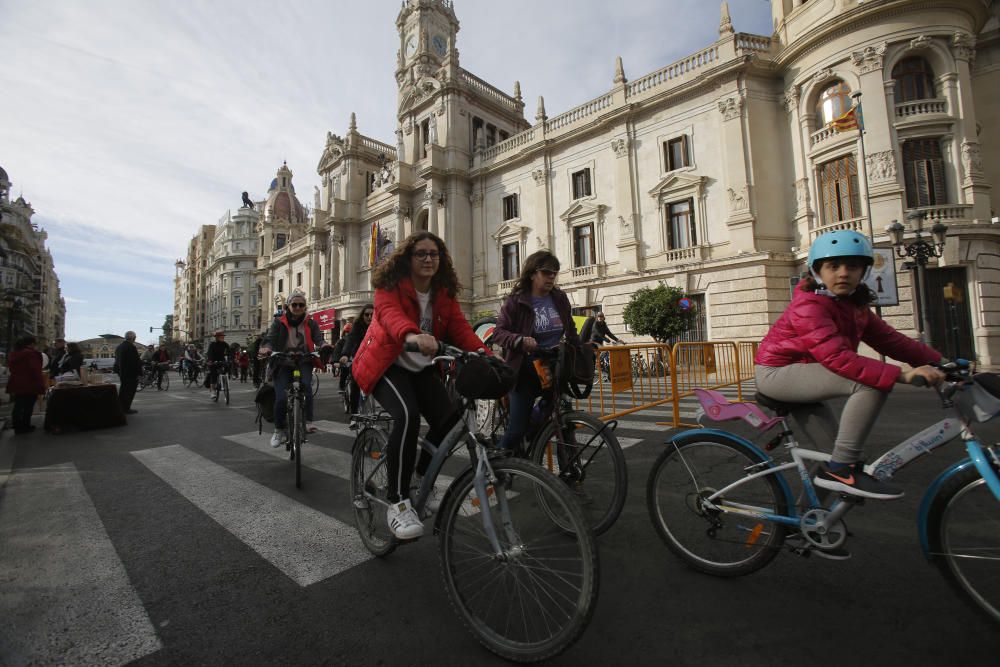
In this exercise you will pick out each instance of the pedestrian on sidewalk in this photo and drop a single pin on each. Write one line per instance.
(128, 366)
(25, 383)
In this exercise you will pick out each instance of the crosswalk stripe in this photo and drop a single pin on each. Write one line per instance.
(305, 544)
(67, 598)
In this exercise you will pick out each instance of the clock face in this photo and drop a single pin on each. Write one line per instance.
(440, 45)
(411, 46)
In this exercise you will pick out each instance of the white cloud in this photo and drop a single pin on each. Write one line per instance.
(70, 299)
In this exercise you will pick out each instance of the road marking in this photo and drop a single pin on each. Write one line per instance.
(305, 544)
(66, 596)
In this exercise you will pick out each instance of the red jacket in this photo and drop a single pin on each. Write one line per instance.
(25, 366)
(816, 328)
(397, 313)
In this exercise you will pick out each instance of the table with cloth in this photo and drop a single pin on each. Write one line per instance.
(83, 407)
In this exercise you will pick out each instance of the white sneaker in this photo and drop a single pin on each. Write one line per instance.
(433, 502)
(403, 521)
(278, 439)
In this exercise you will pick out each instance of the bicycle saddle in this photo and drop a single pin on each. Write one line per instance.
(781, 408)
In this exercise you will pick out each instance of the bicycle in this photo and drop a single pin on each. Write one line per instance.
(519, 561)
(295, 407)
(153, 373)
(726, 508)
(190, 373)
(221, 384)
(367, 405)
(579, 448)
(315, 382)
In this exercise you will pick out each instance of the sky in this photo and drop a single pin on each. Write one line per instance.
(127, 124)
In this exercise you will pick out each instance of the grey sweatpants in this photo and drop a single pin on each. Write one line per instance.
(800, 383)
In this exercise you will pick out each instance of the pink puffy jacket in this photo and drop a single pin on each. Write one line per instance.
(816, 328)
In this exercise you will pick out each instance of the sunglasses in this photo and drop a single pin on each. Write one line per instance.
(426, 254)
(296, 305)
(368, 314)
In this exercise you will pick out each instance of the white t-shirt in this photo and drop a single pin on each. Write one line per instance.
(416, 361)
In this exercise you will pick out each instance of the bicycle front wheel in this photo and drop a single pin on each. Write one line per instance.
(369, 481)
(723, 536)
(298, 433)
(533, 598)
(589, 459)
(964, 531)
(315, 383)
(225, 388)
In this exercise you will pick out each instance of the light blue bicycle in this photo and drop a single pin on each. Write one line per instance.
(725, 506)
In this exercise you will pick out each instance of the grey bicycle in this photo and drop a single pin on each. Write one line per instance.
(519, 560)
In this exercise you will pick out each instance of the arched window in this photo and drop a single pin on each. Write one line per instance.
(914, 80)
(833, 102)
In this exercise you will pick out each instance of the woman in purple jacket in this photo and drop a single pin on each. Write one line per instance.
(536, 315)
(811, 355)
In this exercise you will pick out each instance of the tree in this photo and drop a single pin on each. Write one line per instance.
(661, 312)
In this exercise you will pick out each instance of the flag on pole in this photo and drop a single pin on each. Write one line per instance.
(373, 245)
(848, 121)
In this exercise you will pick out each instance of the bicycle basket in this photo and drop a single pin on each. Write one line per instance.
(980, 400)
(484, 377)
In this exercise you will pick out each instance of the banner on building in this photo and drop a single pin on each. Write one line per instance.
(326, 319)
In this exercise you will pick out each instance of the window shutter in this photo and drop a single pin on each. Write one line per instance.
(693, 239)
(593, 245)
(671, 242)
(685, 155)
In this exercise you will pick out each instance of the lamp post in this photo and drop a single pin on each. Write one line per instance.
(920, 250)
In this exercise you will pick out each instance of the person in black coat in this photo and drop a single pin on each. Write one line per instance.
(72, 360)
(128, 366)
(354, 338)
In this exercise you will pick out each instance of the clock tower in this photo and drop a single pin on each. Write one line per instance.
(427, 31)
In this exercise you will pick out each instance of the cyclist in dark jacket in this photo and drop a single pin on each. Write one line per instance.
(217, 356)
(354, 338)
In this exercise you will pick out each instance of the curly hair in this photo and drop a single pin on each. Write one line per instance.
(398, 266)
(862, 296)
(540, 259)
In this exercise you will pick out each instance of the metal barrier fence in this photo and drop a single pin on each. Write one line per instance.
(644, 376)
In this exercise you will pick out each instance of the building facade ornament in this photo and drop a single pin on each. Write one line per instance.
(920, 42)
(620, 146)
(731, 107)
(870, 58)
(823, 75)
(971, 158)
(739, 201)
(802, 194)
(625, 227)
(963, 46)
(792, 99)
(539, 176)
(881, 167)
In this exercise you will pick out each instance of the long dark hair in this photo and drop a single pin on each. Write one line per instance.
(397, 266)
(540, 259)
(862, 296)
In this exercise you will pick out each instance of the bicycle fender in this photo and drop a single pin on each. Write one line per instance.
(696, 433)
(985, 468)
(928, 500)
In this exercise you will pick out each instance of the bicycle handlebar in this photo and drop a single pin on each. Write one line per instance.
(955, 371)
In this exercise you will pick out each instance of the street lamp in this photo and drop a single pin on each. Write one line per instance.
(920, 251)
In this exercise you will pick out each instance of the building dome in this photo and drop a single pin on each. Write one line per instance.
(281, 200)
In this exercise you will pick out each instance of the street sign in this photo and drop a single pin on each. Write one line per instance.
(325, 318)
(882, 278)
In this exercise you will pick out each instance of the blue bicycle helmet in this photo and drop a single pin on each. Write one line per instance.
(841, 243)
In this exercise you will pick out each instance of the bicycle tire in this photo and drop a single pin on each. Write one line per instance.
(963, 527)
(718, 543)
(540, 623)
(166, 382)
(601, 481)
(225, 388)
(369, 517)
(141, 384)
(298, 431)
(315, 383)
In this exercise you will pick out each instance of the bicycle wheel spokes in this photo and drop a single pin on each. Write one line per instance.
(702, 532)
(970, 543)
(533, 598)
(369, 478)
(588, 458)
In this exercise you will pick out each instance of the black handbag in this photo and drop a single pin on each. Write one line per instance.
(576, 368)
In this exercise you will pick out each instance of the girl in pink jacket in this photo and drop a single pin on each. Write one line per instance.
(811, 355)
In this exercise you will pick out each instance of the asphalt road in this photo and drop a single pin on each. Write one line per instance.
(181, 539)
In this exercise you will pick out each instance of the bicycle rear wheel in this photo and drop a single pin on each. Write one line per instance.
(298, 434)
(225, 388)
(718, 537)
(534, 599)
(369, 478)
(589, 459)
(963, 527)
(315, 382)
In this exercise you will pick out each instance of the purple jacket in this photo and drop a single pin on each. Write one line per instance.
(816, 328)
(517, 320)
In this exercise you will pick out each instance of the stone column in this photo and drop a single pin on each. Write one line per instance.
(624, 212)
(740, 220)
(974, 184)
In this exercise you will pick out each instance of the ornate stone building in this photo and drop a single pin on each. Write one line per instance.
(713, 173)
(30, 299)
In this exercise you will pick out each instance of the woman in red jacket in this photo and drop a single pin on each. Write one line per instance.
(811, 355)
(25, 382)
(415, 302)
